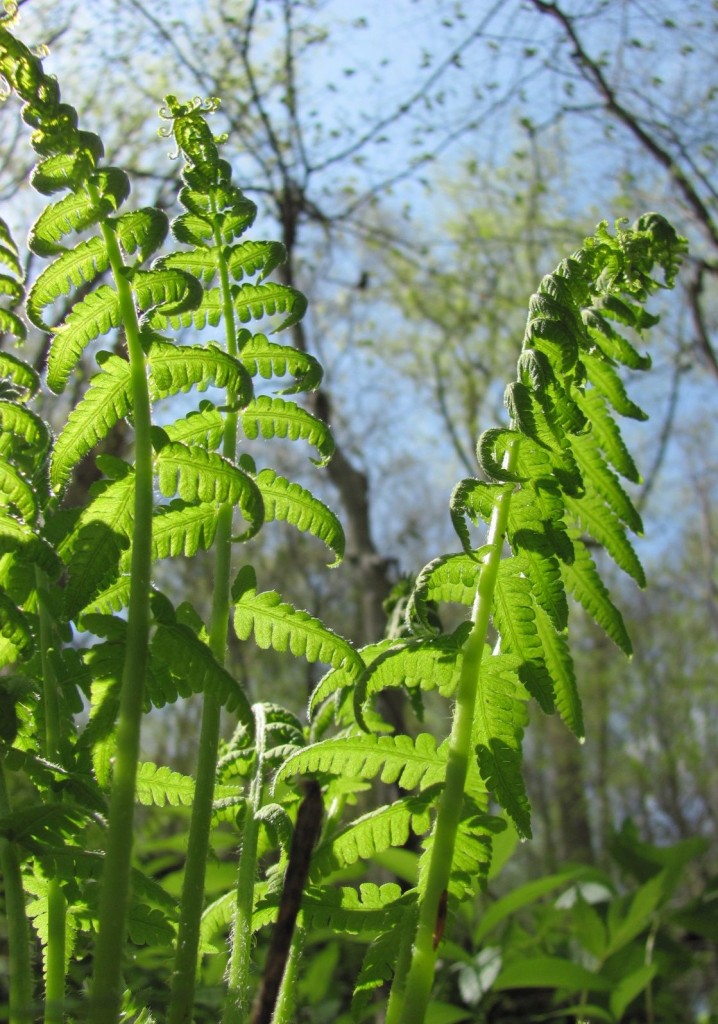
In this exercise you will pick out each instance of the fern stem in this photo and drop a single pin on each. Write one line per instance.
(286, 1001)
(55, 970)
(238, 981)
(18, 931)
(56, 905)
(115, 892)
(185, 966)
(421, 972)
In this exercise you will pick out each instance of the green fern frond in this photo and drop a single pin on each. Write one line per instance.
(284, 628)
(344, 677)
(141, 231)
(433, 663)
(584, 582)
(176, 369)
(367, 911)
(24, 424)
(157, 784)
(166, 292)
(559, 664)
(63, 171)
(597, 475)
(192, 664)
(608, 436)
(291, 503)
(515, 619)
(93, 316)
(447, 579)
(94, 549)
(267, 359)
(183, 528)
(15, 535)
(407, 762)
(105, 402)
(203, 426)
(20, 373)
(255, 257)
(73, 268)
(372, 833)
(197, 475)
(606, 381)
(16, 492)
(600, 522)
(273, 417)
(74, 212)
(498, 730)
(14, 627)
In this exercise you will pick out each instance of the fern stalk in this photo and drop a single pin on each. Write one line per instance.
(419, 982)
(18, 931)
(238, 980)
(56, 905)
(185, 966)
(106, 990)
(286, 1001)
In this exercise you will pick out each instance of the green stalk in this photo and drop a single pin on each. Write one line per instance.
(420, 979)
(238, 987)
(286, 1001)
(115, 893)
(21, 1008)
(56, 904)
(185, 966)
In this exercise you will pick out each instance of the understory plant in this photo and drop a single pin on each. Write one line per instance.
(84, 625)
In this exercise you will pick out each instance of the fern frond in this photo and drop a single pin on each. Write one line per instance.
(267, 359)
(16, 535)
(400, 759)
(20, 373)
(105, 402)
(515, 619)
(447, 579)
(166, 292)
(284, 628)
(534, 552)
(584, 582)
(606, 381)
(63, 171)
(291, 503)
(176, 369)
(372, 833)
(198, 475)
(273, 417)
(25, 425)
(182, 528)
(90, 318)
(600, 522)
(141, 231)
(75, 212)
(203, 426)
(253, 257)
(608, 436)
(94, 548)
(16, 492)
(596, 474)
(342, 678)
(157, 784)
(433, 663)
(472, 851)
(14, 626)
(71, 269)
(559, 663)
(498, 730)
(370, 909)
